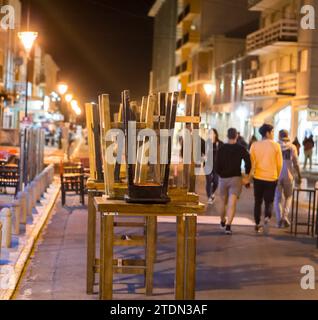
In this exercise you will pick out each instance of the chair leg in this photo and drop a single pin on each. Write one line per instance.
(63, 196)
(82, 191)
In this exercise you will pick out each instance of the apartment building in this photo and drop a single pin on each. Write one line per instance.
(207, 35)
(278, 81)
(42, 75)
(9, 47)
(164, 13)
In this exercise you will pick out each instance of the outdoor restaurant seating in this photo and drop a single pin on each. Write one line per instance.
(9, 177)
(72, 180)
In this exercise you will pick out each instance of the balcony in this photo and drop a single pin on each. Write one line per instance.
(182, 68)
(261, 5)
(281, 33)
(188, 13)
(272, 85)
(189, 40)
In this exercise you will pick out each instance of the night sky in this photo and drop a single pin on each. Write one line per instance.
(101, 46)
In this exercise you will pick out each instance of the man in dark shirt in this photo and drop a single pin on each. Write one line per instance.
(228, 167)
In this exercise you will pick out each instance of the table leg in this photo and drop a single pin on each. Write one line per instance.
(150, 253)
(190, 272)
(180, 259)
(106, 272)
(91, 244)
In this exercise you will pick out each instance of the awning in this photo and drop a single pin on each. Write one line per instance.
(267, 114)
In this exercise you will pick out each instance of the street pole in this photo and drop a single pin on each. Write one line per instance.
(26, 88)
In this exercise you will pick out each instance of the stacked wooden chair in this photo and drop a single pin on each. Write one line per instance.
(143, 182)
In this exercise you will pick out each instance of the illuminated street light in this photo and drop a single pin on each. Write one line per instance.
(68, 98)
(27, 38)
(78, 111)
(74, 104)
(208, 88)
(62, 88)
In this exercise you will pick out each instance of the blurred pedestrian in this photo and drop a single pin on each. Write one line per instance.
(213, 144)
(65, 138)
(228, 167)
(308, 144)
(284, 190)
(267, 162)
(297, 145)
(241, 141)
(252, 140)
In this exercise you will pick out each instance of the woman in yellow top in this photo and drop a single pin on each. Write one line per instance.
(267, 163)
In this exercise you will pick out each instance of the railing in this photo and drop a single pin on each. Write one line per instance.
(179, 44)
(272, 84)
(189, 38)
(282, 30)
(182, 68)
(184, 13)
(252, 3)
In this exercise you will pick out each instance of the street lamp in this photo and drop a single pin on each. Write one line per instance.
(68, 98)
(76, 108)
(74, 104)
(208, 88)
(27, 38)
(62, 88)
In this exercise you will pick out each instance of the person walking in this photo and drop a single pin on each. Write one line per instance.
(228, 167)
(267, 163)
(213, 144)
(297, 145)
(308, 144)
(284, 190)
(252, 140)
(241, 141)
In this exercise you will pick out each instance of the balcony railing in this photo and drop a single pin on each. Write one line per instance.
(282, 30)
(188, 13)
(261, 5)
(183, 67)
(283, 83)
(189, 39)
(252, 3)
(184, 13)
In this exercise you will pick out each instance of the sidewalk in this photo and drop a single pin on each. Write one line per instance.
(55, 155)
(242, 266)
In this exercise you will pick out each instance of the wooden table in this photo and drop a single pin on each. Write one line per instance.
(93, 189)
(186, 214)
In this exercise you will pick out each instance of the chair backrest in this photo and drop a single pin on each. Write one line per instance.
(9, 176)
(71, 167)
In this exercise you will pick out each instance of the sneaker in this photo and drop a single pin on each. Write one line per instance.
(211, 199)
(266, 225)
(228, 230)
(223, 225)
(258, 229)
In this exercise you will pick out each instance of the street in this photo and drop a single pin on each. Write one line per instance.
(242, 266)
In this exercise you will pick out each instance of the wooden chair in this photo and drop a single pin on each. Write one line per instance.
(9, 177)
(72, 180)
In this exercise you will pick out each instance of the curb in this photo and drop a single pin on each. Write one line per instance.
(30, 244)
